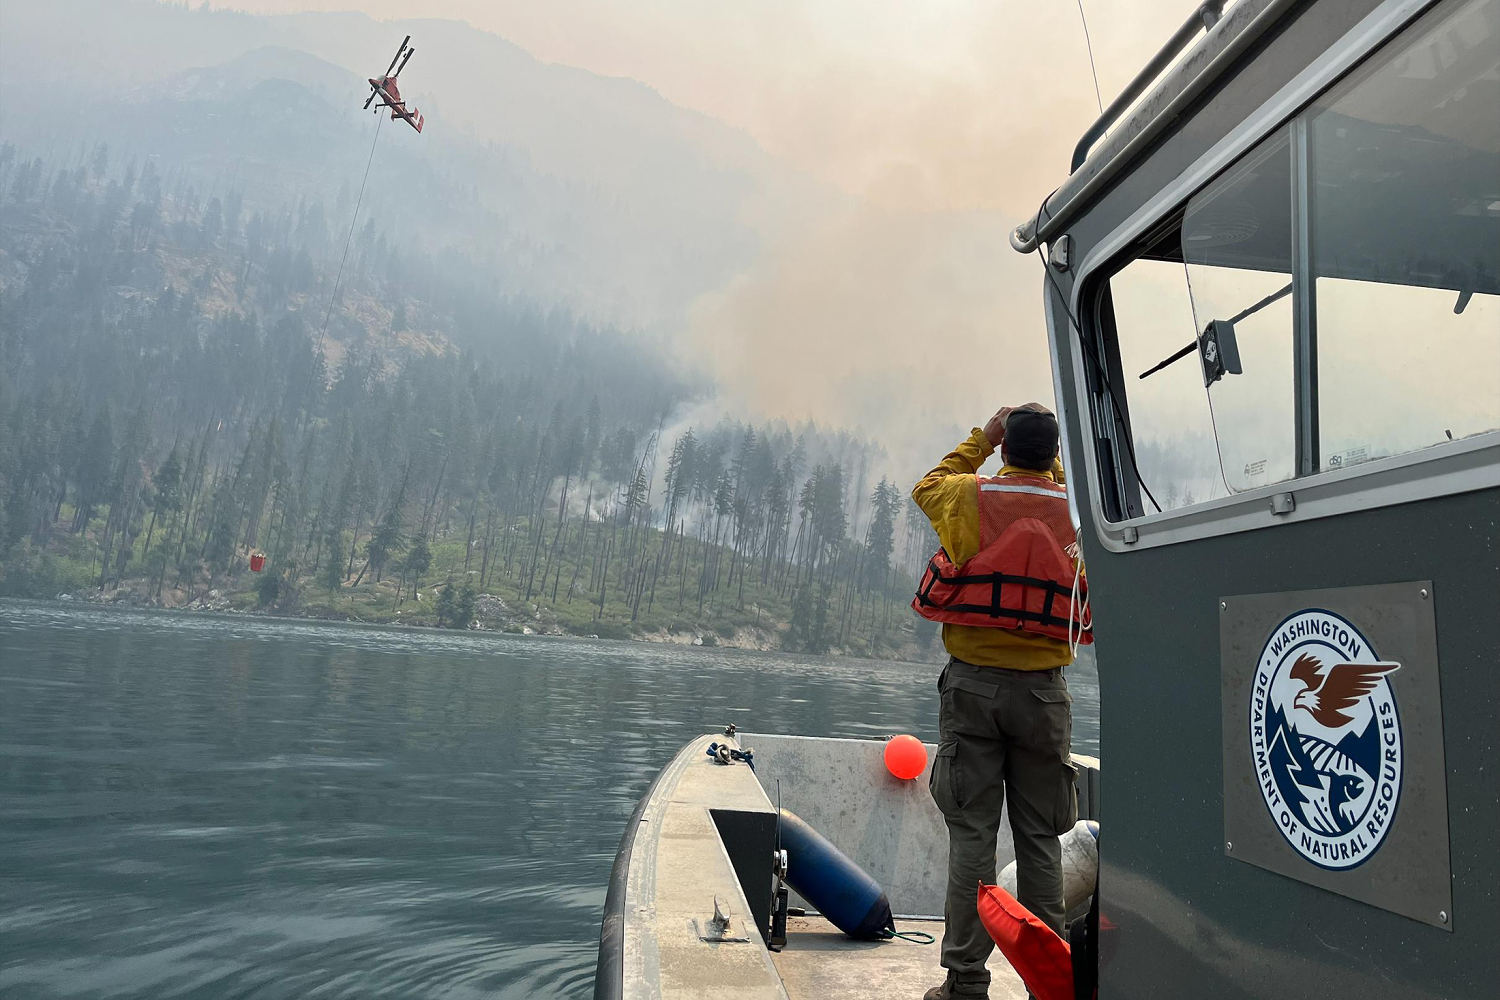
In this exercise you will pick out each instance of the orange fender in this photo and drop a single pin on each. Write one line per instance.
(1041, 958)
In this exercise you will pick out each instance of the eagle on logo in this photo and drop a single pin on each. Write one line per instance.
(1325, 696)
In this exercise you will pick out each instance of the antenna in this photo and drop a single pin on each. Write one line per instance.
(1089, 44)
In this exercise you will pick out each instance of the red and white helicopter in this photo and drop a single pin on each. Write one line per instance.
(385, 88)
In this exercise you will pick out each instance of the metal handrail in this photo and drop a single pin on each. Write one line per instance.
(1203, 19)
(1052, 217)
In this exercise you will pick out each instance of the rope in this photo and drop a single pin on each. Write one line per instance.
(1085, 621)
(723, 753)
(916, 937)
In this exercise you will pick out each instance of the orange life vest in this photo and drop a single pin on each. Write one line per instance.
(1021, 578)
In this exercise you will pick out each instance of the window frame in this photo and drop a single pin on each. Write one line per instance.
(1441, 469)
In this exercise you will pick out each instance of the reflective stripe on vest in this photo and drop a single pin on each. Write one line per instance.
(1040, 491)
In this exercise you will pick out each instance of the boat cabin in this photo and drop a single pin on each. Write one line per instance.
(1273, 298)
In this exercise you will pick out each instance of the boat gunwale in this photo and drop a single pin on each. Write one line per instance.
(609, 972)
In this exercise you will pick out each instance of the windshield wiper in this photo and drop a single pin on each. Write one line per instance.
(1194, 345)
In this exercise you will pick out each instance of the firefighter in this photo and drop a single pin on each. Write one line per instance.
(1003, 585)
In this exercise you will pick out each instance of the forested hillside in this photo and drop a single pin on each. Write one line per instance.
(173, 402)
(552, 183)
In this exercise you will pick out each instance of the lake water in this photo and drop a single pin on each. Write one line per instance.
(196, 806)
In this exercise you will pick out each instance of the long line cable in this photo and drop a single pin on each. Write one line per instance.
(339, 278)
(1088, 42)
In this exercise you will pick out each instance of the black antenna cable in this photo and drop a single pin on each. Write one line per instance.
(1099, 368)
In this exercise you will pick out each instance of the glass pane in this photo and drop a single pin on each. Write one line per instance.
(1169, 418)
(1398, 371)
(1408, 321)
(1237, 244)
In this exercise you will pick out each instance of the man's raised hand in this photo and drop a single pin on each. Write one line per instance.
(995, 429)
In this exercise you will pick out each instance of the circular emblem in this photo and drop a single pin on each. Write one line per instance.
(1325, 739)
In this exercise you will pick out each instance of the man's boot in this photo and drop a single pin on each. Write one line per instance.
(951, 990)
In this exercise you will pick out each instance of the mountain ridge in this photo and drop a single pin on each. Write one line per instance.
(635, 207)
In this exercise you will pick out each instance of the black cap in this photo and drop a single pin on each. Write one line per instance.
(1031, 439)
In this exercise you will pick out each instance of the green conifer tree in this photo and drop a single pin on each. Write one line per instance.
(446, 605)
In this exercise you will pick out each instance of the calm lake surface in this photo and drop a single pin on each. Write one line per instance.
(196, 806)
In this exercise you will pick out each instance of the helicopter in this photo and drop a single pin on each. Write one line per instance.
(385, 88)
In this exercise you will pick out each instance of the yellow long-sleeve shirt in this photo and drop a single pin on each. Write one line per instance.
(949, 498)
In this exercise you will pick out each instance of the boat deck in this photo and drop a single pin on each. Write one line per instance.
(705, 831)
(821, 963)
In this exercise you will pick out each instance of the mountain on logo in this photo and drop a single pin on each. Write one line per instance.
(1327, 786)
(1363, 748)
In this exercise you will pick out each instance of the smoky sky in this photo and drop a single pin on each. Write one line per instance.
(886, 300)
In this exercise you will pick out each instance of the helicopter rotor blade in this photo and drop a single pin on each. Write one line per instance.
(403, 62)
(395, 58)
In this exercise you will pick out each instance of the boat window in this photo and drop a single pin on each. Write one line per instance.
(1169, 419)
(1407, 316)
(1330, 299)
(1237, 249)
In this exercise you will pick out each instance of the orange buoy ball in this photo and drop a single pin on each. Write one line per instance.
(905, 757)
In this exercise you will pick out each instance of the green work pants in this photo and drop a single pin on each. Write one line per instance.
(1001, 731)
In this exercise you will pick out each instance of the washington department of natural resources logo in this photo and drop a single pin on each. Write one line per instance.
(1325, 738)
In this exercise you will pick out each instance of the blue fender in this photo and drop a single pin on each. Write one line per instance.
(835, 886)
